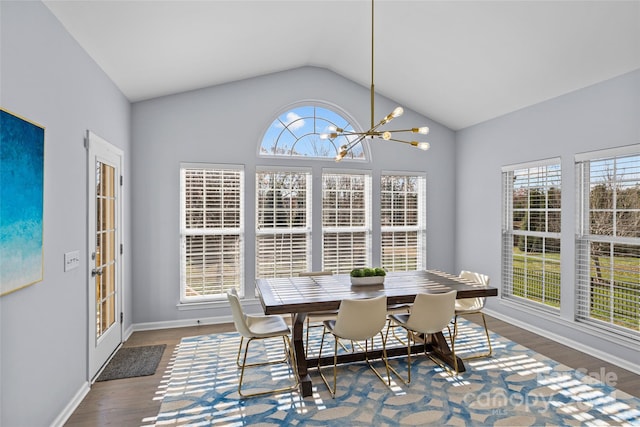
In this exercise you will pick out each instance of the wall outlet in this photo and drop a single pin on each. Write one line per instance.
(71, 260)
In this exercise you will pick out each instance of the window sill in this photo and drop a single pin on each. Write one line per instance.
(222, 303)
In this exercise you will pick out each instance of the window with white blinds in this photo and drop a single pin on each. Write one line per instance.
(531, 233)
(608, 240)
(346, 220)
(211, 231)
(403, 221)
(283, 222)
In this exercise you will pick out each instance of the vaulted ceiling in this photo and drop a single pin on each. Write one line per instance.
(457, 62)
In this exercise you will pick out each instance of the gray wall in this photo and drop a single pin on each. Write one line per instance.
(46, 77)
(225, 124)
(601, 116)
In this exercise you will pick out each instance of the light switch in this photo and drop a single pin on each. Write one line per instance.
(71, 260)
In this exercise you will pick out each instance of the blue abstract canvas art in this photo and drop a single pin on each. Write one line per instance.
(21, 202)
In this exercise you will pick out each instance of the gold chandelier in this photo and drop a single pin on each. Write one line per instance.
(374, 132)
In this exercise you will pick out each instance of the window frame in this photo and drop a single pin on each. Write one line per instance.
(420, 228)
(586, 239)
(510, 234)
(337, 263)
(305, 230)
(361, 149)
(185, 231)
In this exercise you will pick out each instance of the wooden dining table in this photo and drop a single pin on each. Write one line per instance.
(298, 296)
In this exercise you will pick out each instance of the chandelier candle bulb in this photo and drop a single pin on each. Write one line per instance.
(421, 145)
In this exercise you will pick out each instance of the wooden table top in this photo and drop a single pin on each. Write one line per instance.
(319, 293)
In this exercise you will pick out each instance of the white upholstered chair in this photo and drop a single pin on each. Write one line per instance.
(430, 314)
(467, 306)
(260, 327)
(357, 320)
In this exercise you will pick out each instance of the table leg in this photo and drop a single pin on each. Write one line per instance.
(441, 348)
(301, 359)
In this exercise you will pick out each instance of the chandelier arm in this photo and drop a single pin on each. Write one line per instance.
(401, 130)
(382, 122)
(400, 140)
(370, 132)
(356, 141)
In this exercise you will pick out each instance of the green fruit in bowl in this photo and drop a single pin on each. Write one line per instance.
(357, 272)
(368, 272)
(379, 272)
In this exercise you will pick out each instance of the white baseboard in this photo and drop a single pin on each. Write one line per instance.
(73, 404)
(152, 326)
(623, 363)
(126, 334)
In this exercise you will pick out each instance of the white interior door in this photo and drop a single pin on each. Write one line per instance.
(104, 249)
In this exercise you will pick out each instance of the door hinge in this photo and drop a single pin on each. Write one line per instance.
(121, 180)
(121, 317)
(121, 248)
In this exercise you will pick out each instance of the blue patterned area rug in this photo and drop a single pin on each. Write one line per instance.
(515, 387)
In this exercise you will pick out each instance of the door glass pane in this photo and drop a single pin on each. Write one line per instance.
(105, 251)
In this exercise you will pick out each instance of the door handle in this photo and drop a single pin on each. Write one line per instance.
(96, 272)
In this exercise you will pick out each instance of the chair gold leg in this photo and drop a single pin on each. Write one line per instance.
(486, 333)
(384, 358)
(453, 351)
(335, 367)
(288, 357)
(409, 335)
(239, 350)
(306, 345)
(453, 372)
(244, 364)
(306, 342)
(332, 391)
(391, 368)
(393, 331)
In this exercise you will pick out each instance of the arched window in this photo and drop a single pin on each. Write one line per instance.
(296, 133)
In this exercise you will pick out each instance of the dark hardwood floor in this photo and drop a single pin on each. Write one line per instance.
(136, 401)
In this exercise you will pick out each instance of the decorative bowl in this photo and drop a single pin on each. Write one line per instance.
(367, 280)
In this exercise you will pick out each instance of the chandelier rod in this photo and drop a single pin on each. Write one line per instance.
(372, 52)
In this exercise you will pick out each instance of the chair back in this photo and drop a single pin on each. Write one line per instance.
(476, 277)
(239, 318)
(361, 319)
(472, 303)
(432, 313)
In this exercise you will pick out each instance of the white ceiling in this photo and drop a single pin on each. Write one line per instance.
(457, 62)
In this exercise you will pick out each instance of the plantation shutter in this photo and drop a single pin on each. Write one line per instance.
(283, 222)
(608, 240)
(403, 221)
(211, 231)
(346, 220)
